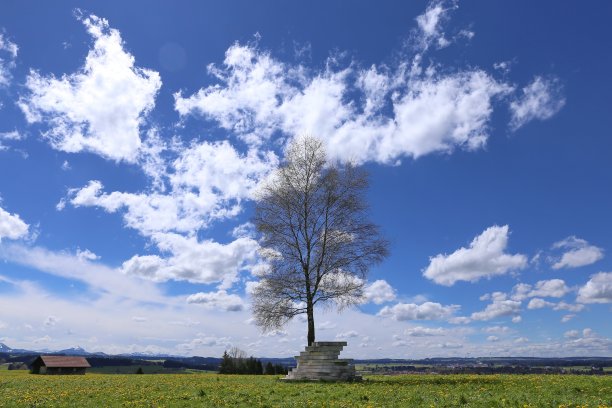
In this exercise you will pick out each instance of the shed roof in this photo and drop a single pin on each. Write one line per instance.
(65, 361)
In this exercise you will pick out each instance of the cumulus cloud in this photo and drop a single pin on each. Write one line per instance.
(8, 53)
(192, 260)
(86, 255)
(257, 95)
(204, 340)
(12, 226)
(597, 290)
(420, 331)
(101, 107)
(577, 307)
(379, 292)
(545, 288)
(208, 182)
(218, 300)
(450, 345)
(484, 258)
(537, 303)
(424, 311)
(541, 99)
(571, 334)
(499, 307)
(347, 335)
(496, 329)
(578, 252)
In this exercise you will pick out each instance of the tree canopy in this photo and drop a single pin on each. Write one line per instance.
(315, 236)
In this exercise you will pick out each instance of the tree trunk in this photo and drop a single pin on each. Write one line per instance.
(311, 326)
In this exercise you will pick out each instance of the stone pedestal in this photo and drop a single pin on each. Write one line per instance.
(320, 362)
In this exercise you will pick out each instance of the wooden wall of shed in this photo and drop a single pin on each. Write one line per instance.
(63, 370)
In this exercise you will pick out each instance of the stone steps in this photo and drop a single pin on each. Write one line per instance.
(320, 362)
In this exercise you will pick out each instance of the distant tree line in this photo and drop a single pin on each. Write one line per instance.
(235, 361)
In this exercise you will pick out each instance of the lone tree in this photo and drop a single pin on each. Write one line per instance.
(316, 237)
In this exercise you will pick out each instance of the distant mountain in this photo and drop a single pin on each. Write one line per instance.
(74, 351)
(4, 348)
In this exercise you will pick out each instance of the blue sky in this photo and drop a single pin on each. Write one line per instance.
(133, 139)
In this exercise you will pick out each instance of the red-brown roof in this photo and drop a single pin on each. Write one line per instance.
(65, 361)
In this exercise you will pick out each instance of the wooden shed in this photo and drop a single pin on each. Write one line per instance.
(59, 365)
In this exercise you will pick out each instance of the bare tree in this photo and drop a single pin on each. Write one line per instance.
(316, 237)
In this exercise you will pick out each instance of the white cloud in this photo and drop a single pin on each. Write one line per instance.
(326, 325)
(204, 340)
(450, 345)
(12, 226)
(43, 339)
(498, 308)
(217, 300)
(537, 303)
(208, 182)
(492, 338)
(578, 253)
(11, 136)
(566, 318)
(550, 288)
(420, 331)
(101, 107)
(569, 307)
(86, 255)
(597, 290)
(520, 291)
(571, 334)
(412, 311)
(496, 329)
(541, 99)
(347, 335)
(8, 53)
(379, 292)
(555, 288)
(430, 22)
(192, 260)
(459, 320)
(484, 258)
(432, 112)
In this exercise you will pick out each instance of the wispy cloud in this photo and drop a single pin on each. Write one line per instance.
(541, 100)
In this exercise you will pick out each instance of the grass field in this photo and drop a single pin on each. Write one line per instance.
(20, 389)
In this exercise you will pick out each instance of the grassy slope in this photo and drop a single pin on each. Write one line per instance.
(18, 388)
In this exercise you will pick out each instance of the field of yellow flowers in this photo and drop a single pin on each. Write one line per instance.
(20, 389)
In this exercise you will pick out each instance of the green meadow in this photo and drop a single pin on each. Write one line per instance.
(21, 389)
